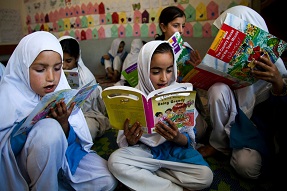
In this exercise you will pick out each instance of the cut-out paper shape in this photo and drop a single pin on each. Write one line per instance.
(206, 30)
(84, 9)
(51, 16)
(197, 30)
(28, 20)
(91, 22)
(114, 31)
(152, 16)
(71, 13)
(42, 27)
(108, 31)
(152, 30)
(89, 34)
(188, 30)
(101, 8)
(47, 18)
(77, 11)
(96, 8)
(145, 17)
(73, 22)
(136, 30)
(137, 17)
(78, 23)
(121, 32)
(84, 22)
(109, 19)
(61, 13)
(136, 6)
(96, 19)
(56, 15)
(201, 13)
(78, 35)
(95, 34)
(90, 8)
(122, 18)
(61, 25)
(83, 35)
(101, 33)
(42, 18)
(73, 34)
(189, 13)
(67, 12)
(55, 27)
(144, 30)
(102, 19)
(115, 18)
(67, 24)
(37, 18)
(129, 30)
(212, 10)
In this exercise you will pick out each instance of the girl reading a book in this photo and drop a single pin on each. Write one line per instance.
(165, 160)
(94, 108)
(56, 152)
(244, 120)
(114, 59)
(172, 19)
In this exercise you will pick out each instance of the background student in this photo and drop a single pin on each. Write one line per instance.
(164, 160)
(114, 59)
(94, 108)
(131, 58)
(172, 19)
(59, 145)
(244, 121)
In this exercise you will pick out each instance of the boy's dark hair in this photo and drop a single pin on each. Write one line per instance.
(167, 15)
(163, 48)
(158, 113)
(71, 46)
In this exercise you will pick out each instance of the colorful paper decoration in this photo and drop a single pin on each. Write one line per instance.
(201, 13)
(188, 30)
(115, 18)
(136, 30)
(129, 30)
(152, 30)
(206, 30)
(145, 17)
(121, 32)
(144, 30)
(197, 30)
(212, 11)
(190, 13)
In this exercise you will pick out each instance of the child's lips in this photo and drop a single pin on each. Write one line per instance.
(161, 85)
(49, 88)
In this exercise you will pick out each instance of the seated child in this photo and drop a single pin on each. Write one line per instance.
(114, 59)
(94, 108)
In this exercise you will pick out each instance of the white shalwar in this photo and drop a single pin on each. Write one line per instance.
(139, 169)
(222, 104)
(37, 165)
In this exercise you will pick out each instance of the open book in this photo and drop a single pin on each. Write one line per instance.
(72, 78)
(231, 56)
(49, 100)
(175, 102)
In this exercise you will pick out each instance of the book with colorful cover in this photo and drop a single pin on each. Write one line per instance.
(131, 75)
(72, 78)
(231, 55)
(49, 101)
(175, 102)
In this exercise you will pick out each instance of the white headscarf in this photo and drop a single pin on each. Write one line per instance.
(2, 69)
(132, 57)
(86, 75)
(144, 59)
(115, 46)
(249, 96)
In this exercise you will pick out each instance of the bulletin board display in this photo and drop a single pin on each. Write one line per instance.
(92, 19)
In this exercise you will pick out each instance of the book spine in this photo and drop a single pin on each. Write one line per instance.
(149, 115)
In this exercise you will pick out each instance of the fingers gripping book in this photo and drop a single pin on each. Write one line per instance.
(49, 101)
(175, 102)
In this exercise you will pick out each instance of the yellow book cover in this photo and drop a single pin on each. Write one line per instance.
(175, 102)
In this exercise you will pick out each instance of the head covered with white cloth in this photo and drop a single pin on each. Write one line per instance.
(249, 96)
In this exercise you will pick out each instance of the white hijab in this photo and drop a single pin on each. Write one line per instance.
(132, 57)
(86, 75)
(16, 95)
(249, 96)
(144, 59)
(115, 46)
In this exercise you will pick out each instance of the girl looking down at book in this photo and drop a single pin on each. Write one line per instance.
(57, 150)
(172, 19)
(114, 59)
(244, 121)
(94, 108)
(164, 160)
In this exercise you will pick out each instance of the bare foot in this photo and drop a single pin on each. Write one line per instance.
(207, 151)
